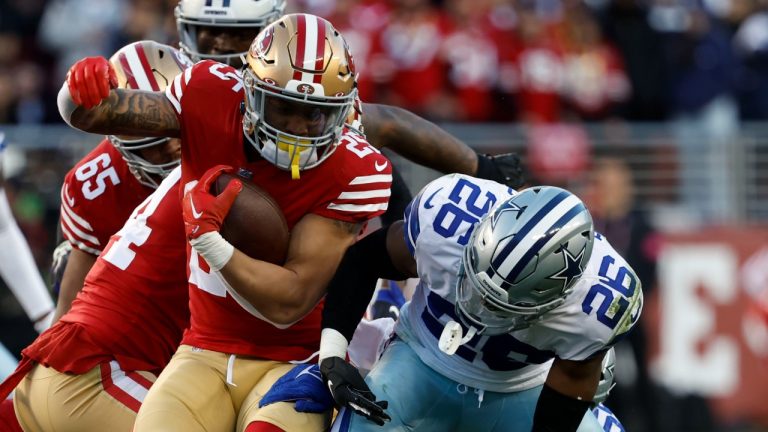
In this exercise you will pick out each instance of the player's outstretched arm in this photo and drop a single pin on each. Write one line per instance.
(567, 394)
(90, 101)
(381, 254)
(425, 143)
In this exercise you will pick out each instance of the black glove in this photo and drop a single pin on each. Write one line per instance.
(349, 390)
(59, 263)
(504, 168)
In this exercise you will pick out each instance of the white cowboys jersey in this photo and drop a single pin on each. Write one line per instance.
(604, 305)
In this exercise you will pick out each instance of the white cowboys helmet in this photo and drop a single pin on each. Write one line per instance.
(523, 259)
(191, 15)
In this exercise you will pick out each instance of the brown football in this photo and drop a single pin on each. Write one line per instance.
(255, 224)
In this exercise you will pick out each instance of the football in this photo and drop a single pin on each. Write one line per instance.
(255, 224)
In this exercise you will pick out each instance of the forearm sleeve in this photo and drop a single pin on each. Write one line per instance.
(354, 283)
(556, 412)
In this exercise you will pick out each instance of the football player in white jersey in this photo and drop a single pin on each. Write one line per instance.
(518, 301)
(19, 271)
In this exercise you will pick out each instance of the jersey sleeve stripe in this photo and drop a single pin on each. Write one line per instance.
(377, 178)
(172, 98)
(374, 193)
(413, 227)
(69, 225)
(358, 207)
(78, 244)
(65, 205)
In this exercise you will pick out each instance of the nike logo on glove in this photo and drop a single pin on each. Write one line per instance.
(380, 168)
(195, 213)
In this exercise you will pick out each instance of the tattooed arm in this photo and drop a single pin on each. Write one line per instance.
(417, 139)
(127, 112)
(425, 143)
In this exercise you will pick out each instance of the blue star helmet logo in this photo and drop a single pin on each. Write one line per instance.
(572, 269)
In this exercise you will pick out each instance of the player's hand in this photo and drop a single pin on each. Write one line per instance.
(304, 385)
(90, 80)
(505, 168)
(204, 212)
(59, 263)
(350, 390)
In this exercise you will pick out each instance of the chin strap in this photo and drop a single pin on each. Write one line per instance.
(451, 338)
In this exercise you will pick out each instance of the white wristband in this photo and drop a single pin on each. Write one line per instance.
(332, 344)
(66, 105)
(216, 251)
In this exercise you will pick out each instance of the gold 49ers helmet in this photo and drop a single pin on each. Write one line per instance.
(299, 89)
(145, 65)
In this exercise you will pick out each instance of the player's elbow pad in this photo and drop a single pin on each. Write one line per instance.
(66, 104)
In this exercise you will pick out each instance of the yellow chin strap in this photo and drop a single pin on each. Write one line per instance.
(294, 148)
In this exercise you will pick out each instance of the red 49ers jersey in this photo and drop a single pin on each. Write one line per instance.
(98, 195)
(351, 185)
(133, 306)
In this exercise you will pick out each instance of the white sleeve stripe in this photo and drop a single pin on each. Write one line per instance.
(80, 245)
(65, 200)
(377, 178)
(187, 75)
(66, 222)
(172, 99)
(376, 193)
(358, 207)
(177, 90)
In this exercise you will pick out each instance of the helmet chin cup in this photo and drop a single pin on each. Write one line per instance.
(451, 338)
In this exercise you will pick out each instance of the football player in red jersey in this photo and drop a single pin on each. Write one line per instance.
(103, 188)
(283, 124)
(99, 366)
(223, 31)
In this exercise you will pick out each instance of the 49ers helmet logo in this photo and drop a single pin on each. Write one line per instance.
(305, 88)
(261, 45)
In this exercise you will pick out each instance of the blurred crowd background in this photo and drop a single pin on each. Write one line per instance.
(455, 60)
(654, 111)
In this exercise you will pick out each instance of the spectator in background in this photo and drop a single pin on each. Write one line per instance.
(409, 66)
(610, 196)
(626, 23)
(532, 65)
(471, 54)
(594, 79)
(360, 22)
(73, 29)
(751, 43)
(702, 71)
